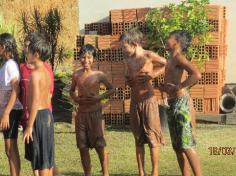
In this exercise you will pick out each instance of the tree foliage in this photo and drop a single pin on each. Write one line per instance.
(189, 15)
(51, 26)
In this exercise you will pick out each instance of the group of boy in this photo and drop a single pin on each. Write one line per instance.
(141, 67)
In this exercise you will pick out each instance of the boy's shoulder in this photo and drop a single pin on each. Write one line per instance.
(180, 58)
(35, 74)
(98, 72)
(100, 75)
(48, 66)
(150, 54)
(77, 73)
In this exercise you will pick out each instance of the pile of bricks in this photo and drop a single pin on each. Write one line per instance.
(206, 94)
(123, 20)
(105, 37)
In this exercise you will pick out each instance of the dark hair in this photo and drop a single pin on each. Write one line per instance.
(9, 42)
(132, 36)
(38, 44)
(88, 48)
(183, 37)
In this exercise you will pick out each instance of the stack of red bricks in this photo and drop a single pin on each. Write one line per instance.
(123, 20)
(206, 94)
(105, 37)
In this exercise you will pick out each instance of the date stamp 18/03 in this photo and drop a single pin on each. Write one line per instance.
(222, 150)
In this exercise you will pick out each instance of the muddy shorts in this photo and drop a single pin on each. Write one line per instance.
(89, 127)
(12, 131)
(145, 122)
(179, 121)
(40, 151)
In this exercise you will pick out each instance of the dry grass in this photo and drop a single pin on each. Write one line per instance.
(11, 10)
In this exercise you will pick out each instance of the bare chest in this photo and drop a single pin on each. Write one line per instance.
(173, 71)
(139, 66)
(89, 82)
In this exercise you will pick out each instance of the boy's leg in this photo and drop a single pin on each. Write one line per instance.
(45, 172)
(140, 152)
(193, 159)
(55, 171)
(12, 152)
(103, 157)
(36, 172)
(86, 162)
(184, 155)
(193, 118)
(154, 158)
(183, 163)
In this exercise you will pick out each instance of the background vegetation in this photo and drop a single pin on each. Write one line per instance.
(11, 11)
(189, 15)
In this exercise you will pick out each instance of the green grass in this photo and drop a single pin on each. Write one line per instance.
(122, 153)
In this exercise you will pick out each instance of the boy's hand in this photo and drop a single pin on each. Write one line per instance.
(93, 99)
(84, 99)
(170, 88)
(129, 81)
(28, 135)
(88, 100)
(4, 121)
(162, 87)
(144, 78)
(80, 100)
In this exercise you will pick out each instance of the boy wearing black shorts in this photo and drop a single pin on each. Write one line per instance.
(39, 132)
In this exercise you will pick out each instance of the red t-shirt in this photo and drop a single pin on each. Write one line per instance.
(25, 77)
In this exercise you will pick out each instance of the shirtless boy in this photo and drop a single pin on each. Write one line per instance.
(179, 113)
(40, 130)
(89, 121)
(142, 67)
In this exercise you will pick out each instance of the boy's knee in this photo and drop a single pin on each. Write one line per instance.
(102, 150)
(84, 150)
(178, 150)
(100, 143)
(139, 148)
(10, 152)
(189, 151)
(139, 144)
(186, 151)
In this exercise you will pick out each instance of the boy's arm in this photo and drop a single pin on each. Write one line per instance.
(4, 120)
(108, 85)
(34, 84)
(158, 67)
(108, 93)
(194, 74)
(73, 94)
(72, 88)
(158, 64)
